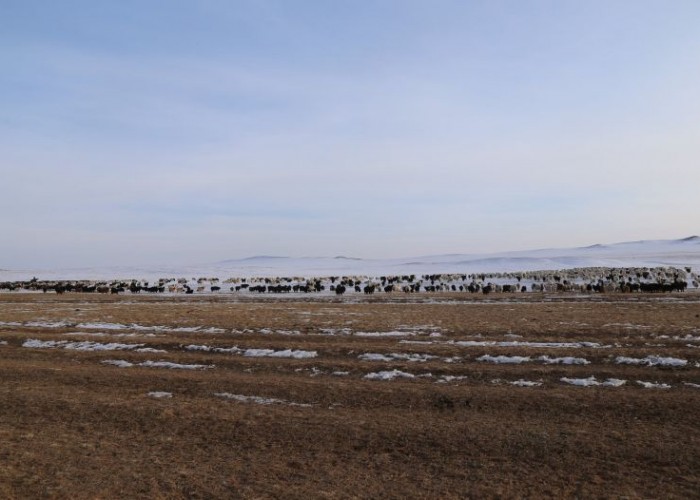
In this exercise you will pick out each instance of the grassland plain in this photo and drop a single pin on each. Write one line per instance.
(440, 396)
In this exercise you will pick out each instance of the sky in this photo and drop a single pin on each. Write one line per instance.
(153, 131)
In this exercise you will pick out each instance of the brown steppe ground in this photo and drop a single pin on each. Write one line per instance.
(72, 426)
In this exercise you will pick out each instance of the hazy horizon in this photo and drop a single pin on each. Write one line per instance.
(139, 133)
(679, 252)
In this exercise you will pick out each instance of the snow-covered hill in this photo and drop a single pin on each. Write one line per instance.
(648, 253)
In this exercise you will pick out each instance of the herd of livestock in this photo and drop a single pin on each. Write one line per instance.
(583, 280)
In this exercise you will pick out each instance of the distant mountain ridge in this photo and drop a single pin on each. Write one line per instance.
(682, 252)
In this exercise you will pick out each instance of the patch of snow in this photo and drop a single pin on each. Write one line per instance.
(451, 378)
(43, 344)
(690, 384)
(286, 332)
(692, 338)
(388, 375)
(112, 335)
(256, 353)
(503, 359)
(653, 385)
(89, 334)
(452, 359)
(47, 324)
(614, 382)
(96, 346)
(567, 360)
(184, 329)
(160, 394)
(627, 326)
(384, 334)
(118, 362)
(193, 347)
(396, 357)
(287, 353)
(206, 348)
(294, 353)
(336, 331)
(227, 350)
(102, 326)
(515, 343)
(155, 364)
(374, 357)
(591, 381)
(525, 383)
(418, 328)
(151, 349)
(212, 329)
(78, 346)
(651, 361)
(340, 374)
(174, 366)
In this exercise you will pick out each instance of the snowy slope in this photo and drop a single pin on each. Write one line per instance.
(648, 253)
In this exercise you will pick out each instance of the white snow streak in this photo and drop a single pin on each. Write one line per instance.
(516, 343)
(651, 361)
(160, 394)
(287, 353)
(525, 383)
(568, 360)
(102, 326)
(388, 375)
(396, 357)
(450, 378)
(103, 334)
(78, 346)
(653, 385)
(177, 366)
(155, 364)
(591, 381)
(503, 359)
(384, 334)
(256, 353)
(47, 324)
(118, 362)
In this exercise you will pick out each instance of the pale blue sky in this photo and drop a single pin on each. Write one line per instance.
(140, 132)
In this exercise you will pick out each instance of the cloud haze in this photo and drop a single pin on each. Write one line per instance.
(154, 132)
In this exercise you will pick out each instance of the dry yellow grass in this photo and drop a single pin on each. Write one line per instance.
(74, 427)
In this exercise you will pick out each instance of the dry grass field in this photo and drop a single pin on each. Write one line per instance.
(442, 396)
